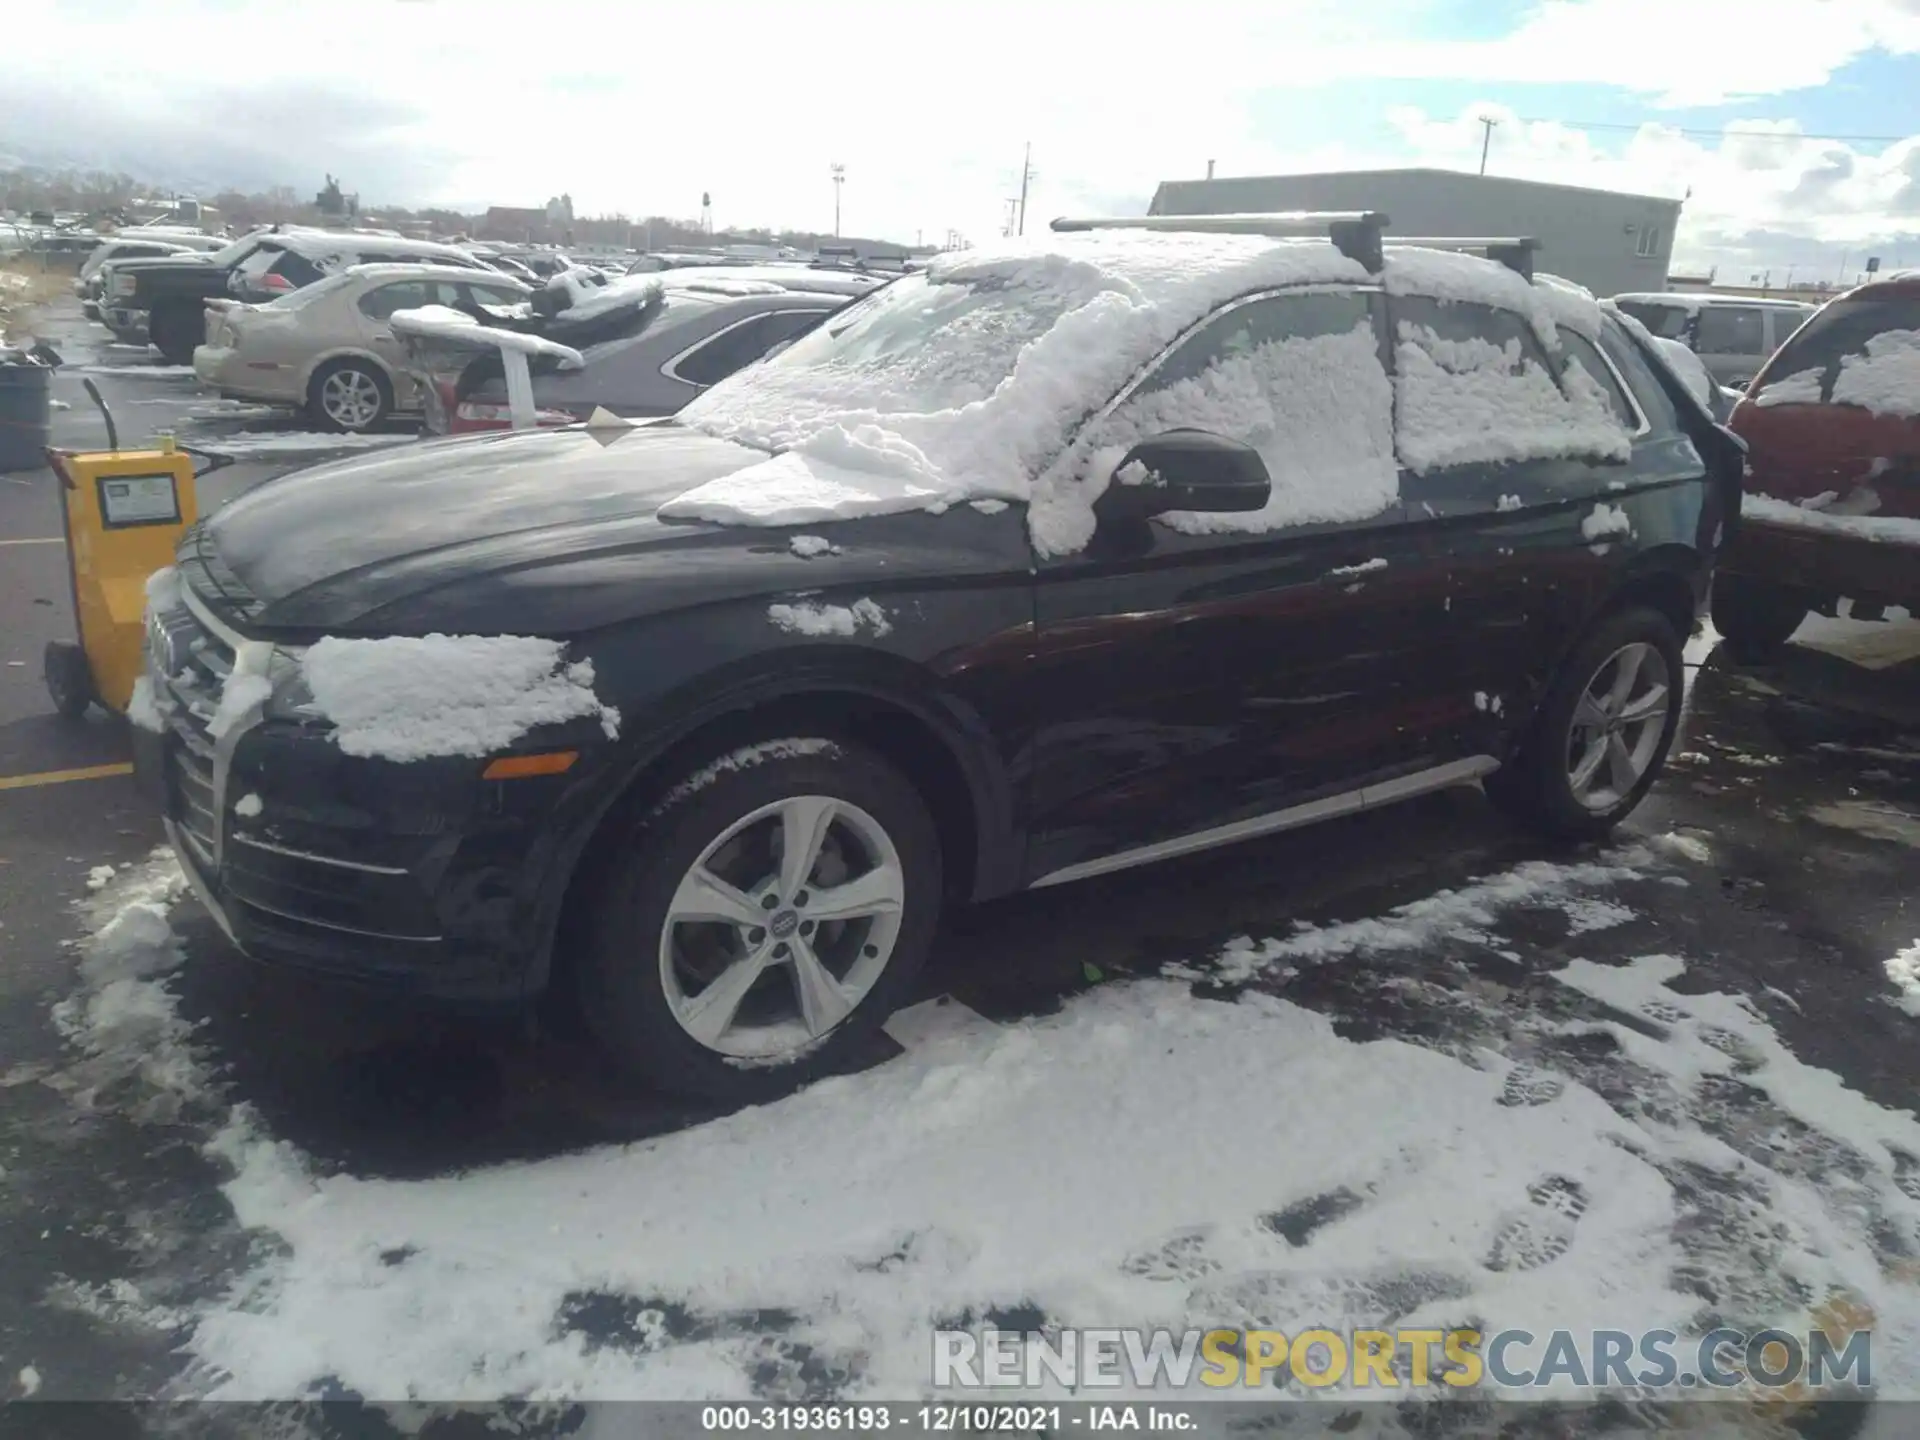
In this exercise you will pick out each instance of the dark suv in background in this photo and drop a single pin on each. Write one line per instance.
(1251, 551)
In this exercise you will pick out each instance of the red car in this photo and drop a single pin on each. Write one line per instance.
(1832, 507)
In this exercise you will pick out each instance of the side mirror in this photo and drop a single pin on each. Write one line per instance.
(1187, 470)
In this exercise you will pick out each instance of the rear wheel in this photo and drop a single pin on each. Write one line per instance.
(349, 395)
(175, 331)
(1756, 617)
(762, 922)
(1603, 732)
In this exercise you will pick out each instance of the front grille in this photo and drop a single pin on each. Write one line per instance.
(190, 664)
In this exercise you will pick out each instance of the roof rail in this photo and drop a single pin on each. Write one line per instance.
(1513, 251)
(1355, 233)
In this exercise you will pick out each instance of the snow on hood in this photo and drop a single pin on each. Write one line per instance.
(443, 322)
(411, 698)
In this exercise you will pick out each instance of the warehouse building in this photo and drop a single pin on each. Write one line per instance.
(1607, 241)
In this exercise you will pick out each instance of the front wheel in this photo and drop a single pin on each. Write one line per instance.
(763, 921)
(1755, 617)
(1603, 732)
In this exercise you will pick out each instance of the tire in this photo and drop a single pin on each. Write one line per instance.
(349, 395)
(1755, 617)
(640, 979)
(176, 331)
(1541, 787)
(69, 681)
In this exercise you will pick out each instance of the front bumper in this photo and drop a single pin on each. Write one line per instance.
(414, 877)
(123, 320)
(1824, 564)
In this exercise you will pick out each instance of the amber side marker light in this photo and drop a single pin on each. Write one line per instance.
(521, 767)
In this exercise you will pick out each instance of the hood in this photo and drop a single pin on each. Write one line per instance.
(350, 543)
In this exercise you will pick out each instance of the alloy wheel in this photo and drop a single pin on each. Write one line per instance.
(1617, 726)
(781, 927)
(351, 399)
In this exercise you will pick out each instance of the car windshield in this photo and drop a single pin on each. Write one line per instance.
(915, 347)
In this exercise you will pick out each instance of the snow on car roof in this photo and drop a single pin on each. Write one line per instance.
(1037, 335)
(333, 245)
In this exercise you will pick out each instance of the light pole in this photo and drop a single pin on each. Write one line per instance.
(839, 173)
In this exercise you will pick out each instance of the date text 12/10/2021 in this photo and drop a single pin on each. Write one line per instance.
(941, 1419)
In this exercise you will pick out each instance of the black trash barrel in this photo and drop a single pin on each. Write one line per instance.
(26, 415)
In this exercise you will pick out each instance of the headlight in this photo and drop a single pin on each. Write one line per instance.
(291, 699)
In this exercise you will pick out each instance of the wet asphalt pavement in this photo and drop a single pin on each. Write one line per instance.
(1795, 795)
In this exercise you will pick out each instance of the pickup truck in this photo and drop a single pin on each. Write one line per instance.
(163, 301)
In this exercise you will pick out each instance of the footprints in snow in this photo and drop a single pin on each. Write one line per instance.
(1527, 1086)
(1181, 1257)
(1542, 1233)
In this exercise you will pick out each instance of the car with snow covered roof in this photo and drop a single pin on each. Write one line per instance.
(1050, 561)
(163, 300)
(329, 348)
(1832, 511)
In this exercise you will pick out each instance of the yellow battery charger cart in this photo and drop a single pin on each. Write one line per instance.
(123, 512)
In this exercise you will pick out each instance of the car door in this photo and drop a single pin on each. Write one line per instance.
(1732, 341)
(1203, 677)
(1527, 526)
(375, 309)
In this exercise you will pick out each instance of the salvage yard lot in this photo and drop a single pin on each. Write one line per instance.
(1409, 1067)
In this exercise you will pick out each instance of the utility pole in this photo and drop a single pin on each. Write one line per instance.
(1486, 140)
(839, 173)
(1026, 174)
(1013, 213)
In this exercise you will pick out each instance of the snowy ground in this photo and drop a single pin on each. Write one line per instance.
(1587, 1091)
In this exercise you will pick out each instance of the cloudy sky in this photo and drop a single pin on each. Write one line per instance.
(1795, 124)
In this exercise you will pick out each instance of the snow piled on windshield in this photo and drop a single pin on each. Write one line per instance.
(1800, 388)
(1885, 380)
(1061, 326)
(407, 698)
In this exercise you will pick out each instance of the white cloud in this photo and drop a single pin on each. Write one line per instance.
(642, 108)
(1764, 195)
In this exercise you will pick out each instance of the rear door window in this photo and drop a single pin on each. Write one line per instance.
(1731, 330)
(1582, 352)
(1473, 386)
(380, 304)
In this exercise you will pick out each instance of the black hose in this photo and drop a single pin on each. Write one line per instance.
(113, 435)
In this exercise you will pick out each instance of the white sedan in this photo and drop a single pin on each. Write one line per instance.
(328, 348)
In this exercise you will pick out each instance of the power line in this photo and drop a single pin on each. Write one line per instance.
(1710, 134)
